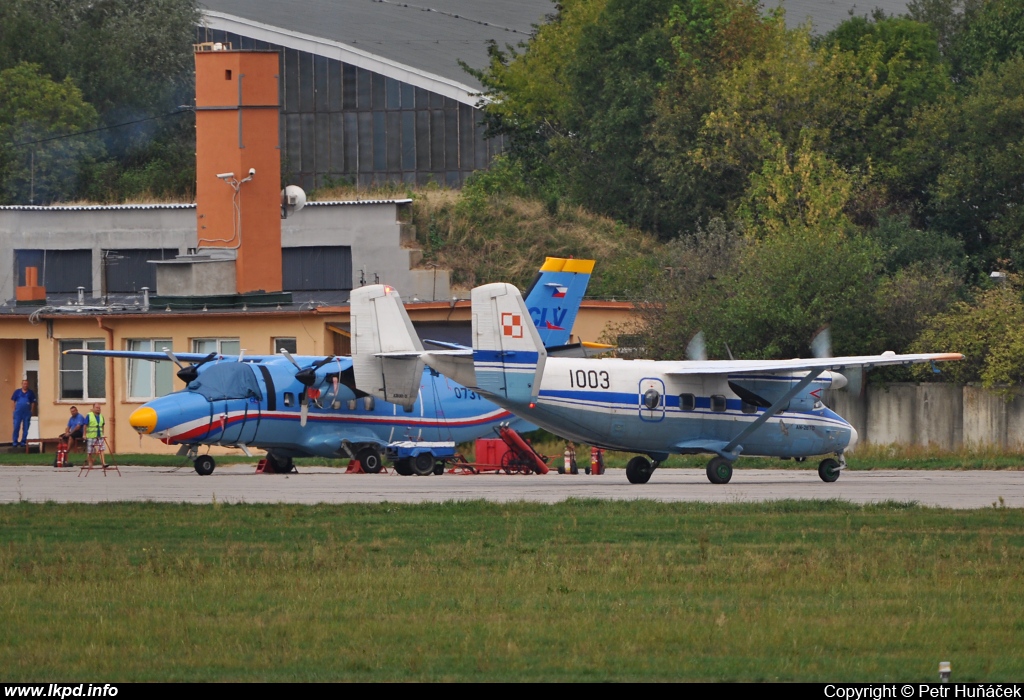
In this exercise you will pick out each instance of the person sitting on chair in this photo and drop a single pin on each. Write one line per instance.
(76, 426)
(95, 442)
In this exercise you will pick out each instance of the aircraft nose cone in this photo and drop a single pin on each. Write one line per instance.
(143, 419)
(853, 438)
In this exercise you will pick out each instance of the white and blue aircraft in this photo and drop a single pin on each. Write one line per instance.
(656, 408)
(295, 406)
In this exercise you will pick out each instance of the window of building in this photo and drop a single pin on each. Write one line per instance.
(718, 404)
(81, 376)
(127, 271)
(322, 268)
(148, 379)
(288, 344)
(221, 346)
(687, 402)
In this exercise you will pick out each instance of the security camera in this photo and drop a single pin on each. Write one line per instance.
(252, 171)
(225, 176)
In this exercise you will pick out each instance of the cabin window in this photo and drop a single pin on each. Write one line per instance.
(687, 402)
(81, 376)
(718, 403)
(289, 398)
(148, 379)
(748, 407)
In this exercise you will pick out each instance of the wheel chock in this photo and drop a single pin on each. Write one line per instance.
(263, 467)
(354, 467)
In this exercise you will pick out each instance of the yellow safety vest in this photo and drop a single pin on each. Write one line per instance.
(94, 428)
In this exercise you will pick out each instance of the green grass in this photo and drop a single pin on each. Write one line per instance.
(582, 590)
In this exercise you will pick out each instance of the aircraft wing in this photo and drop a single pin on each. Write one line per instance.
(810, 363)
(154, 356)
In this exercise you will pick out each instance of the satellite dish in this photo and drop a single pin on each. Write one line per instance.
(292, 199)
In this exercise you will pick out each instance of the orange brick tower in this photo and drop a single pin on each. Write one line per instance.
(238, 162)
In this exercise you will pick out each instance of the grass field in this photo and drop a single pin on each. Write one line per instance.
(477, 591)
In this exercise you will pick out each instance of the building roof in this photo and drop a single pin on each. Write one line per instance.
(825, 15)
(419, 42)
(132, 207)
(422, 42)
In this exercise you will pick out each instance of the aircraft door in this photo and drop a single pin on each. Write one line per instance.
(651, 399)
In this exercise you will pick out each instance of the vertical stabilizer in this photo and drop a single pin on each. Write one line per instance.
(507, 352)
(380, 324)
(554, 298)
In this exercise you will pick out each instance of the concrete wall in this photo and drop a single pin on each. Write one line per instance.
(382, 243)
(943, 416)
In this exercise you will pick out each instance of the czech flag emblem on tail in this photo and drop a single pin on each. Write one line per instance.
(559, 292)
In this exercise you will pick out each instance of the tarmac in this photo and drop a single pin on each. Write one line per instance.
(239, 484)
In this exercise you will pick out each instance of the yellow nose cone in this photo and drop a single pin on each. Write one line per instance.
(143, 419)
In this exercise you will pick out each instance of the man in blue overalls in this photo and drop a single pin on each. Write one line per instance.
(22, 401)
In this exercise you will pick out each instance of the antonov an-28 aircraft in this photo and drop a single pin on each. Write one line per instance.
(725, 408)
(295, 406)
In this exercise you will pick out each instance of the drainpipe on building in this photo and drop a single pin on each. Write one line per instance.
(112, 439)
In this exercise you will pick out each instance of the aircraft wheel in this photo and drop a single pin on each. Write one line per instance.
(828, 470)
(719, 470)
(423, 464)
(204, 465)
(369, 457)
(639, 470)
(280, 465)
(403, 467)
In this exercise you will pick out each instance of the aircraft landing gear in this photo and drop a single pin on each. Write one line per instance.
(829, 469)
(280, 465)
(204, 465)
(719, 470)
(369, 458)
(639, 470)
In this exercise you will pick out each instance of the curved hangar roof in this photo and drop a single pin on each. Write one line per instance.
(421, 42)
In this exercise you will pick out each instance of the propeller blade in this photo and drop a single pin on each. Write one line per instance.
(188, 374)
(290, 358)
(696, 350)
(821, 343)
(308, 375)
(173, 358)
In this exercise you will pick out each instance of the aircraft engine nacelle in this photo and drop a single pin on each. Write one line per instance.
(763, 390)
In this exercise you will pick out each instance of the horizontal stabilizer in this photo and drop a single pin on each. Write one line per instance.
(385, 348)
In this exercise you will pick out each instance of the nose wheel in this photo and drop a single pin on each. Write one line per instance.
(830, 469)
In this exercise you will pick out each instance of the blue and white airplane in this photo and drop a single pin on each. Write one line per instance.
(725, 408)
(295, 406)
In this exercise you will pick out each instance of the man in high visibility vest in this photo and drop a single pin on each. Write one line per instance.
(95, 437)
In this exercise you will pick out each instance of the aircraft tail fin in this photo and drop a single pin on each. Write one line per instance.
(554, 297)
(508, 354)
(386, 351)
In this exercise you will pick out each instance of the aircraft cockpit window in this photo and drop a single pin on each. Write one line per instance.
(748, 407)
(289, 398)
(227, 380)
(718, 403)
(687, 402)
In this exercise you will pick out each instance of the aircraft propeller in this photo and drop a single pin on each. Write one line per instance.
(307, 376)
(696, 349)
(821, 347)
(188, 373)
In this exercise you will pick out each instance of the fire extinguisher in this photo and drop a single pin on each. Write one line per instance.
(596, 461)
(569, 462)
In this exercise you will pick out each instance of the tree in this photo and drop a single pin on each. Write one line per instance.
(39, 155)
